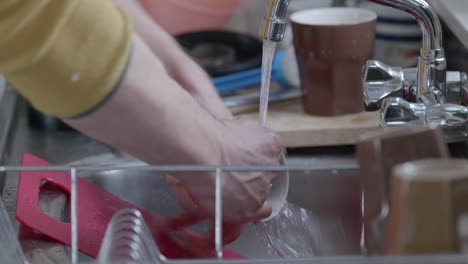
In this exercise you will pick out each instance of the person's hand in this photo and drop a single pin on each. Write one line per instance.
(182, 132)
(193, 215)
(243, 143)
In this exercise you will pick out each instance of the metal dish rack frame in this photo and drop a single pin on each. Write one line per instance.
(156, 257)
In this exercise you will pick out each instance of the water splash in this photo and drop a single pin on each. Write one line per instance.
(290, 234)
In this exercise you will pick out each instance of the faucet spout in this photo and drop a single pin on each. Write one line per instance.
(275, 22)
(426, 17)
(432, 69)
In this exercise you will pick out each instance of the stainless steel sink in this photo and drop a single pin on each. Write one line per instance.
(330, 197)
(328, 192)
(330, 206)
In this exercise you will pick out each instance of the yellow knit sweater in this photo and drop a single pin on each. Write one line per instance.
(65, 56)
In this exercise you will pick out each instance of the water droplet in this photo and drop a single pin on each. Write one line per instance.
(354, 42)
(76, 77)
(323, 52)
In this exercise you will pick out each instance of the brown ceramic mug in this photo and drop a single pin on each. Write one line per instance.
(332, 45)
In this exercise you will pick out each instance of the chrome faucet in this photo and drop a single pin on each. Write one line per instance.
(432, 68)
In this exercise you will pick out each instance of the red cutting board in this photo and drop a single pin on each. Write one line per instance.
(95, 210)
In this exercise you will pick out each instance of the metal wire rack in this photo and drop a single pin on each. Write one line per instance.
(127, 239)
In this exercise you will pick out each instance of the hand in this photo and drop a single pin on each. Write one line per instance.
(243, 143)
(171, 121)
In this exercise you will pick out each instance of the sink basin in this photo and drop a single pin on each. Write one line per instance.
(325, 199)
(327, 191)
(330, 198)
(328, 202)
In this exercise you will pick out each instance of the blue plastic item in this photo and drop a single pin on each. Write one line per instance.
(245, 79)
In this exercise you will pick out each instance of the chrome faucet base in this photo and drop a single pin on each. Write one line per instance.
(452, 119)
(394, 91)
(432, 72)
(381, 81)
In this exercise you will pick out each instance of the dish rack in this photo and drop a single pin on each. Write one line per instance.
(128, 239)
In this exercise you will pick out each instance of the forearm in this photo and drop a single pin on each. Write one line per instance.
(160, 42)
(178, 64)
(151, 117)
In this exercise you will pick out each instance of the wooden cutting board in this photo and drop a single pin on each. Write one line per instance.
(300, 130)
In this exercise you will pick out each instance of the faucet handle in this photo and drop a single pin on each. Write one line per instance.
(381, 81)
(397, 112)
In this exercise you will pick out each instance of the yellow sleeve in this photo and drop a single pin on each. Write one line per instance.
(64, 56)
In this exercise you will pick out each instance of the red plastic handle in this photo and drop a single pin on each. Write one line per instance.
(95, 210)
(27, 206)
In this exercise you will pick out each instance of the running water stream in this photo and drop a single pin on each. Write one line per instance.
(268, 55)
(269, 48)
(273, 232)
